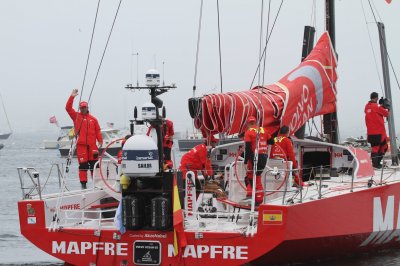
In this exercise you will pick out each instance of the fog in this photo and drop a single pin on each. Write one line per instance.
(44, 47)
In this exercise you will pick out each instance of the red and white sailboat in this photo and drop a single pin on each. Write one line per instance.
(346, 206)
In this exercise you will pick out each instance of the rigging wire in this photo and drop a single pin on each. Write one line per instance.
(219, 46)
(90, 49)
(372, 47)
(264, 51)
(266, 40)
(261, 37)
(197, 49)
(105, 49)
(376, 10)
(387, 53)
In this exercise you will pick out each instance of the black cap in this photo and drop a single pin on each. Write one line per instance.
(374, 95)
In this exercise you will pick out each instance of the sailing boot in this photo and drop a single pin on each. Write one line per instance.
(249, 191)
(83, 175)
(375, 160)
(259, 191)
(298, 182)
(83, 185)
(379, 160)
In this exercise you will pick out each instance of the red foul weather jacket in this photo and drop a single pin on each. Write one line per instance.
(250, 139)
(283, 148)
(196, 159)
(374, 118)
(86, 126)
(167, 132)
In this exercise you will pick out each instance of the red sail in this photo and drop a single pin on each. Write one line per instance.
(308, 91)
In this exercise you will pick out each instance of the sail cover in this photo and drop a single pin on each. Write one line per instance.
(307, 91)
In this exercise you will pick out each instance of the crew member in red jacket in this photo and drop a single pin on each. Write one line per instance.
(167, 131)
(283, 149)
(168, 135)
(197, 159)
(374, 120)
(250, 139)
(87, 131)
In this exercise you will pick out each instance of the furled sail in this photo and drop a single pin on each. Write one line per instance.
(307, 91)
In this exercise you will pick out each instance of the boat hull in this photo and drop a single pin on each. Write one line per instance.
(328, 227)
(5, 135)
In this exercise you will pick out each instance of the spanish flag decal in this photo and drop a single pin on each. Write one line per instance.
(271, 217)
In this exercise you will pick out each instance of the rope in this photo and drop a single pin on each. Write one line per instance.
(197, 49)
(90, 48)
(265, 48)
(266, 40)
(387, 53)
(372, 47)
(219, 46)
(105, 49)
(261, 36)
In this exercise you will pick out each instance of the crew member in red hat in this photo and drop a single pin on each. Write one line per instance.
(374, 119)
(197, 159)
(283, 149)
(87, 131)
(250, 139)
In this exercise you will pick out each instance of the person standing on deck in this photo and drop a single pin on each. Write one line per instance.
(374, 120)
(250, 139)
(87, 131)
(283, 149)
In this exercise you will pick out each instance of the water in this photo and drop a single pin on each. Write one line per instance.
(24, 150)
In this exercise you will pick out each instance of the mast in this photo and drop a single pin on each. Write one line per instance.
(388, 93)
(5, 113)
(330, 120)
(308, 44)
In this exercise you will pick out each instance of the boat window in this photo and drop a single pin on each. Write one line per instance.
(152, 75)
(312, 161)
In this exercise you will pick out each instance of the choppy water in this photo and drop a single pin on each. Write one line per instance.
(24, 150)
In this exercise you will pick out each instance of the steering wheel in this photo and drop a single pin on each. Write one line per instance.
(101, 161)
(280, 185)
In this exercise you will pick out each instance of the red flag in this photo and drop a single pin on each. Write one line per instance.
(179, 232)
(53, 120)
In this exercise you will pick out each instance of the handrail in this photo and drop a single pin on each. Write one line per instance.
(34, 177)
(82, 219)
(208, 221)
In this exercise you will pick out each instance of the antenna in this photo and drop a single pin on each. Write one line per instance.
(163, 73)
(137, 67)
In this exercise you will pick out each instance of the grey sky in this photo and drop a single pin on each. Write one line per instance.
(44, 45)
